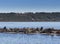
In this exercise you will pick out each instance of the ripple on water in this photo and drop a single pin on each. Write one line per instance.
(28, 39)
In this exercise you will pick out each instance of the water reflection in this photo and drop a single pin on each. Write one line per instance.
(28, 39)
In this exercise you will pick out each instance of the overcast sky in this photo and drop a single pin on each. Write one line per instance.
(29, 5)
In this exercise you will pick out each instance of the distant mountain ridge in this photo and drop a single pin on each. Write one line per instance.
(30, 16)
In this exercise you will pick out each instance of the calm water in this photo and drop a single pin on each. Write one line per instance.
(6, 38)
(30, 24)
(28, 39)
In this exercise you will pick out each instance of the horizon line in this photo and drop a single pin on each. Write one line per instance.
(33, 12)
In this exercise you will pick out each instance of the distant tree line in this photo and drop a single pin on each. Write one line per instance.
(30, 16)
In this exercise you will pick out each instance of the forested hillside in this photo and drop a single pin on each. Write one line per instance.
(30, 16)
